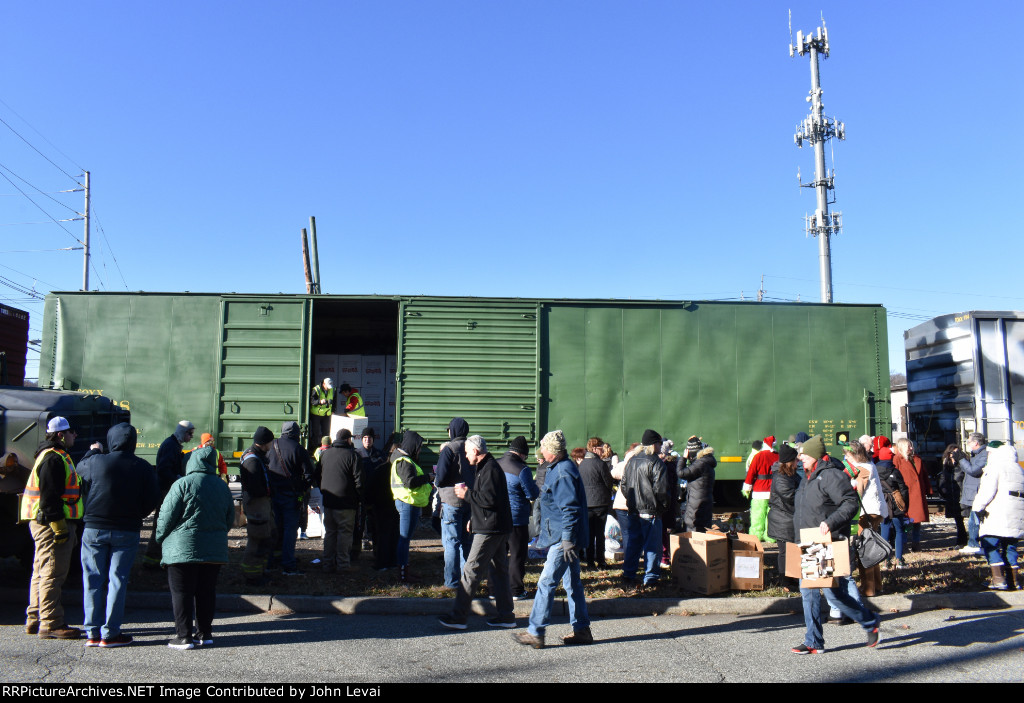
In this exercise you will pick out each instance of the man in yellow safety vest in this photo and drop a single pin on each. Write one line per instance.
(52, 504)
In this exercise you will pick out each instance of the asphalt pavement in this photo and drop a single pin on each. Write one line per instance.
(325, 648)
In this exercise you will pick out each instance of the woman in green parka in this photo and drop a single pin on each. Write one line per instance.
(193, 531)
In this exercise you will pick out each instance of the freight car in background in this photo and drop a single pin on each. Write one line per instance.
(13, 345)
(965, 373)
(730, 372)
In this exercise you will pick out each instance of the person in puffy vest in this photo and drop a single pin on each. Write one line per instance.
(52, 505)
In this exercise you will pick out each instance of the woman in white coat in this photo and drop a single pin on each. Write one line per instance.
(1000, 504)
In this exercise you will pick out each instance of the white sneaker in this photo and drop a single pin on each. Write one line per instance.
(971, 550)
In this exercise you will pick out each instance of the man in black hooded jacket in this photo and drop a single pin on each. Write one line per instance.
(290, 471)
(452, 469)
(118, 490)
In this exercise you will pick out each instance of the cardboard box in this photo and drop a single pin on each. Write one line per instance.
(355, 425)
(840, 555)
(700, 562)
(373, 404)
(325, 366)
(350, 371)
(746, 563)
(373, 372)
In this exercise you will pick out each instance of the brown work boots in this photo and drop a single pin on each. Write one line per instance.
(64, 632)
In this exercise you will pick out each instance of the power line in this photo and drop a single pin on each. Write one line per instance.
(19, 288)
(41, 208)
(41, 191)
(103, 233)
(37, 150)
(910, 290)
(51, 285)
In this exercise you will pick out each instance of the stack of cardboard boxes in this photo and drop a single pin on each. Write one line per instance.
(373, 375)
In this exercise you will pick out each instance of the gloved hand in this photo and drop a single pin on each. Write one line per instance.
(60, 531)
(747, 493)
(569, 551)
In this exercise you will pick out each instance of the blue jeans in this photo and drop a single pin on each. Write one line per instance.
(899, 525)
(839, 597)
(973, 525)
(1000, 550)
(643, 534)
(853, 592)
(107, 558)
(408, 518)
(555, 568)
(286, 517)
(456, 542)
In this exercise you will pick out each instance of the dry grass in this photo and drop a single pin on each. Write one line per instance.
(938, 568)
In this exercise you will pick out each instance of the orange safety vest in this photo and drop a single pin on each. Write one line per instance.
(72, 495)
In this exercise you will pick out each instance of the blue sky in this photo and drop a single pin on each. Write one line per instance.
(558, 148)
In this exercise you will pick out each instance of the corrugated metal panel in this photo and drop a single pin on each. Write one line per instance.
(472, 359)
(729, 372)
(965, 372)
(264, 362)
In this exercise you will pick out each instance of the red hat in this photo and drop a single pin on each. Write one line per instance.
(881, 441)
(885, 454)
(770, 441)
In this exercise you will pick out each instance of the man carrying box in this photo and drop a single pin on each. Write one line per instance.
(826, 500)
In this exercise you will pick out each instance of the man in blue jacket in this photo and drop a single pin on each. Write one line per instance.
(118, 490)
(563, 517)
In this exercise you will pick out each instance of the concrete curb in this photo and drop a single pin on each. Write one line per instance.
(284, 604)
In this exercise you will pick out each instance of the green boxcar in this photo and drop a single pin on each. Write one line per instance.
(730, 372)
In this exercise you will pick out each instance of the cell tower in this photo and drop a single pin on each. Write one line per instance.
(816, 129)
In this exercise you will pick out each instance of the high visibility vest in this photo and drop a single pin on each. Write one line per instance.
(72, 495)
(327, 394)
(417, 497)
(358, 410)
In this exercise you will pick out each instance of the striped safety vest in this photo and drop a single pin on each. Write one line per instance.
(72, 495)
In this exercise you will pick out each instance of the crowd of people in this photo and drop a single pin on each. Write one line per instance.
(489, 510)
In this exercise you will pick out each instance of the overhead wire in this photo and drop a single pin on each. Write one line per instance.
(32, 146)
(103, 233)
(63, 205)
(41, 208)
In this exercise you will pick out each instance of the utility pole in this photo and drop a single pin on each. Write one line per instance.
(816, 129)
(85, 268)
(314, 255)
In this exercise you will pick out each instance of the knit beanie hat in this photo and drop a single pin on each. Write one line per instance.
(786, 453)
(182, 429)
(885, 454)
(802, 437)
(343, 435)
(650, 438)
(814, 447)
(693, 445)
(553, 442)
(519, 445)
(262, 435)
